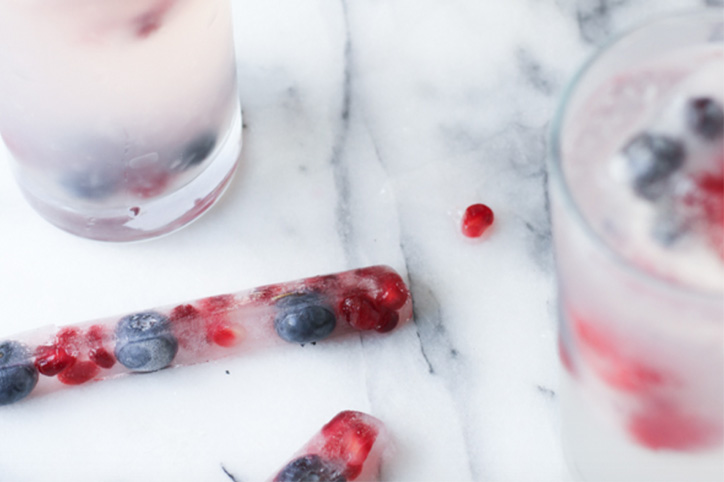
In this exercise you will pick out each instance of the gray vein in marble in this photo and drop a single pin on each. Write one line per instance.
(533, 72)
(594, 19)
(345, 226)
(229, 474)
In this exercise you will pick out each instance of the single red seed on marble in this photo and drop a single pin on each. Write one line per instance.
(476, 220)
(79, 372)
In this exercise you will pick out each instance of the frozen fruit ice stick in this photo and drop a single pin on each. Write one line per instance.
(297, 312)
(349, 447)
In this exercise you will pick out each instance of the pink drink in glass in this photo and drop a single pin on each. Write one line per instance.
(122, 116)
(637, 179)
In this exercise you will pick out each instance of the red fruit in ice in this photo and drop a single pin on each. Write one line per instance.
(79, 372)
(98, 353)
(215, 304)
(362, 313)
(225, 334)
(394, 292)
(102, 357)
(51, 360)
(663, 426)
(349, 439)
(476, 220)
(604, 352)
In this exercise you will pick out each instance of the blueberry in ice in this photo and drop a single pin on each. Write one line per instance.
(309, 468)
(651, 160)
(196, 151)
(303, 318)
(144, 342)
(18, 375)
(705, 116)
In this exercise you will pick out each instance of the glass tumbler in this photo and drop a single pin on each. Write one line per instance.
(121, 116)
(637, 198)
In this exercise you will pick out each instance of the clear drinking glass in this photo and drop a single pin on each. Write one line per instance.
(122, 116)
(639, 247)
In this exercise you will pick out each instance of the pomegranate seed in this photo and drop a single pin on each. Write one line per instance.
(51, 360)
(476, 220)
(226, 335)
(102, 357)
(394, 292)
(79, 372)
(350, 439)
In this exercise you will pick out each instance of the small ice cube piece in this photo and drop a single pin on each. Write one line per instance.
(349, 447)
(297, 312)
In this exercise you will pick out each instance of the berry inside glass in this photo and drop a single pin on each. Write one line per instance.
(121, 117)
(637, 191)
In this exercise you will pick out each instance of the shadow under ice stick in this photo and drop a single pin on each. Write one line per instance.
(303, 311)
(349, 447)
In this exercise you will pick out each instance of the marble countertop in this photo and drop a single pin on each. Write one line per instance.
(369, 127)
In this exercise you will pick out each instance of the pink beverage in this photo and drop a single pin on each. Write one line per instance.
(121, 116)
(638, 211)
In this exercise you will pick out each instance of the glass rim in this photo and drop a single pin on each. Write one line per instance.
(558, 178)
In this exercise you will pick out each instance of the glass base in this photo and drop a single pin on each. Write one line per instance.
(153, 217)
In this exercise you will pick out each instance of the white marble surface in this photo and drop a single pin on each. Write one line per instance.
(370, 126)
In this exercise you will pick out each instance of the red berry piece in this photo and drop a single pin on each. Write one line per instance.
(102, 357)
(79, 372)
(150, 21)
(51, 360)
(225, 334)
(216, 304)
(98, 353)
(363, 313)
(183, 313)
(394, 292)
(349, 439)
(603, 351)
(476, 220)
(666, 427)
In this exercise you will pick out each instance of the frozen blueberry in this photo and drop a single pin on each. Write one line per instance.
(144, 342)
(651, 160)
(705, 117)
(303, 318)
(309, 468)
(18, 375)
(196, 151)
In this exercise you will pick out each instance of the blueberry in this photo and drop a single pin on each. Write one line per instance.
(309, 468)
(95, 181)
(652, 159)
(303, 318)
(196, 151)
(705, 117)
(18, 375)
(144, 342)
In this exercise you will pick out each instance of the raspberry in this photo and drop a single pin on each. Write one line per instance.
(476, 220)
